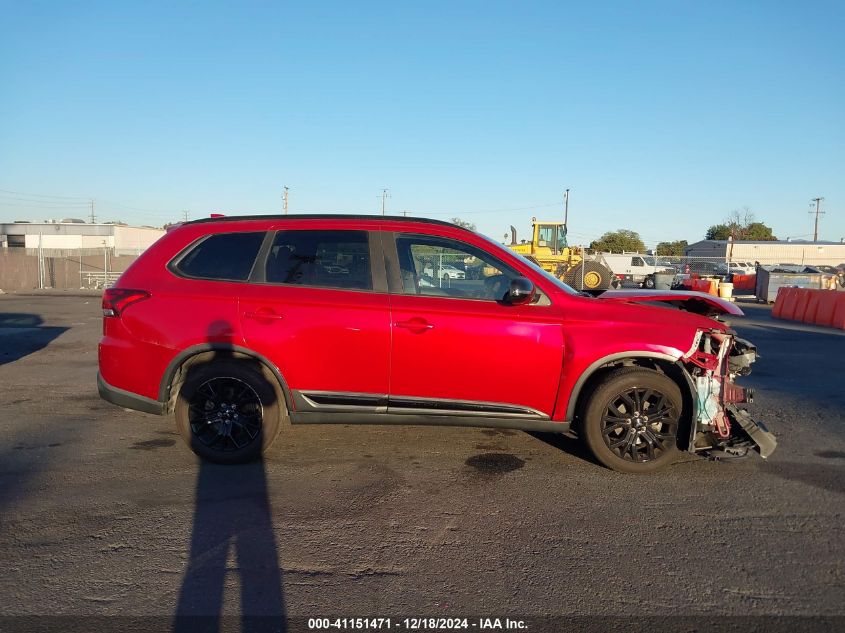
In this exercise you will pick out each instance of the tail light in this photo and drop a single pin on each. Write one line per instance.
(116, 300)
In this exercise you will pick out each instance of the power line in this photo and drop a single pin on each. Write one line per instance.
(43, 206)
(43, 195)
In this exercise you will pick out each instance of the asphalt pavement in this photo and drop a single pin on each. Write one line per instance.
(103, 511)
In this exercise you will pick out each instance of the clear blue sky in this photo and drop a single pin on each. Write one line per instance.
(662, 117)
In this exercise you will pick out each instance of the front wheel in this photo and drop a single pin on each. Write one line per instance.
(649, 282)
(630, 424)
(227, 411)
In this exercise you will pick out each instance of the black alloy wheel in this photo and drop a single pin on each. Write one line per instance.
(228, 411)
(640, 424)
(225, 414)
(631, 421)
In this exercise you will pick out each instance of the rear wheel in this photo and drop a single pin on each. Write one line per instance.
(630, 424)
(228, 412)
(589, 275)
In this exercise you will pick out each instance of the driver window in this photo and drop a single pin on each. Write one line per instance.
(440, 267)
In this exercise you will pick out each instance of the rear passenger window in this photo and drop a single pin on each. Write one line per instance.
(326, 259)
(226, 256)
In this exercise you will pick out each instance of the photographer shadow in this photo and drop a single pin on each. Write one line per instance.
(232, 512)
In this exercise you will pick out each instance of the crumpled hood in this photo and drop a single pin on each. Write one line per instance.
(695, 302)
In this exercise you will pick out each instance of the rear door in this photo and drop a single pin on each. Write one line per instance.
(317, 307)
(456, 347)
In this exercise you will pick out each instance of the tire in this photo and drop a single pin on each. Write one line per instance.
(649, 282)
(595, 275)
(633, 444)
(227, 412)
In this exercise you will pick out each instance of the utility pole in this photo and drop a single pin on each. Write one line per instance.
(565, 207)
(285, 201)
(384, 197)
(185, 216)
(405, 213)
(818, 212)
(93, 217)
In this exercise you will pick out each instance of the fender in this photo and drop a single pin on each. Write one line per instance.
(181, 357)
(604, 360)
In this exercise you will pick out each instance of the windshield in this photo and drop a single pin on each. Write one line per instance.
(547, 275)
(552, 279)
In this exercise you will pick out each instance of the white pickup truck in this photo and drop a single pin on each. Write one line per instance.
(635, 267)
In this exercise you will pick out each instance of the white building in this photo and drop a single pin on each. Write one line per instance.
(76, 235)
(776, 252)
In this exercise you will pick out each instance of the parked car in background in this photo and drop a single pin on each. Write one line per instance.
(635, 267)
(240, 325)
(444, 271)
(734, 268)
(703, 268)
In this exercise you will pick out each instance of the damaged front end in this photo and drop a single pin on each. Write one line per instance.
(720, 426)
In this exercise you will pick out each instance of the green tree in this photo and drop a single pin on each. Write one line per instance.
(742, 226)
(719, 232)
(759, 231)
(464, 224)
(619, 241)
(671, 249)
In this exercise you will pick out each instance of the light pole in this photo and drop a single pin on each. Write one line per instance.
(105, 263)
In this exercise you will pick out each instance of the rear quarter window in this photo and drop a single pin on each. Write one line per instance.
(225, 257)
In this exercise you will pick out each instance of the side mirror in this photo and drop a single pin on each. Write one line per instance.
(520, 292)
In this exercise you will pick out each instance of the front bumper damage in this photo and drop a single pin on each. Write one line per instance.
(720, 427)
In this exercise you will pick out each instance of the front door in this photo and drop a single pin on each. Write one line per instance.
(456, 346)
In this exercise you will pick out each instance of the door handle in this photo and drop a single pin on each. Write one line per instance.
(263, 314)
(416, 325)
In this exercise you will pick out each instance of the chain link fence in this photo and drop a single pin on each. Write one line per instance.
(64, 269)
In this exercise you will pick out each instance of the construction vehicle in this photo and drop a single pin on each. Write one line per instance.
(549, 250)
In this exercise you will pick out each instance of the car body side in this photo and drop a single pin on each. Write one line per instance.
(140, 354)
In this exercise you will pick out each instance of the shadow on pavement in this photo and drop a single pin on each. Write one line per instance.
(566, 444)
(232, 512)
(829, 476)
(22, 334)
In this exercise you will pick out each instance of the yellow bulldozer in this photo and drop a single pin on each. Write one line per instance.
(549, 250)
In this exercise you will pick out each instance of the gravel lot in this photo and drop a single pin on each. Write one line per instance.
(104, 511)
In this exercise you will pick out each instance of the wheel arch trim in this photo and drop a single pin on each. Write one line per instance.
(601, 362)
(164, 390)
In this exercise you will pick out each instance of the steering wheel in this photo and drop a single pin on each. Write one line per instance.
(496, 286)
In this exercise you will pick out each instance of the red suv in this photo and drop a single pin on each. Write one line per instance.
(239, 324)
